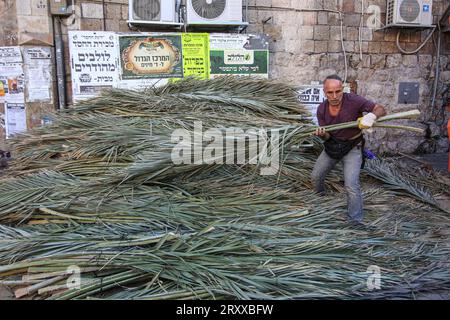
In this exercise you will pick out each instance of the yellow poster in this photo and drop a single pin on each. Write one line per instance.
(196, 54)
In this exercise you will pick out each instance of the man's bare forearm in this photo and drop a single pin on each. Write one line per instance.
(379, 111)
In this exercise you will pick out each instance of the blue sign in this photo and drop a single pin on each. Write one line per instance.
(426, 8)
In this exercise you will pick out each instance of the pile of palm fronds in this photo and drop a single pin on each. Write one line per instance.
(96, 194)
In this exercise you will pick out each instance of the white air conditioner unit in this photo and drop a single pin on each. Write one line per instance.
(153, 11)
(214, 12)
(409, 13)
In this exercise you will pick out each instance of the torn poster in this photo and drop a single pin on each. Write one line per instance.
(38, 73)
(16, 119)
(11, 75)
(10, 56)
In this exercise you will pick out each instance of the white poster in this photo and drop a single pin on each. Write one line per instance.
(94, 61)
(11, 75)
(38, 73)
(220, 41)
(16, 118)
(139, 84)
(10, 56)
(12, 82)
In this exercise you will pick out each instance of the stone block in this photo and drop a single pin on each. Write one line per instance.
(283, 59)
(274, 31)
(321, 32)
(92, 24)
(404, 36)
(323, 73)
(303, 4)
(117, 1)
(348, 6)
(333, 19)
(381, 75)
(389, 47)
(364, 46)
(377, 61)
(349, 46)
(92, 10)
(352, 33)
(33, 24)
(293, 46)
(425, 60)
(393, 60)
(306, 32)
(334, 46)
(112, 25)
(365, 74)
(374, 47)
(290, 32)
(282, 3)
(366, 34)
(352, 20)
(113, 11)
(445, 76)
(322, 18)
(309, 18)
(39, 8)
(335, 33)
(378, 36)
(23, 8)
(390, 35)
(320, 46)
(307, 46)
(330, 4)
(415, 37)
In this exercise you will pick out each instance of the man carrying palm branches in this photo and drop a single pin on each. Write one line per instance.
(345, 144)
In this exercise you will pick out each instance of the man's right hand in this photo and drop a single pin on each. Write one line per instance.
(321, 132)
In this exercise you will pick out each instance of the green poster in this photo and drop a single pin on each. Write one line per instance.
(151, 56)
(239, 62)
(196, 55)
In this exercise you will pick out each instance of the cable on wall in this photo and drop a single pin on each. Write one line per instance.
(397, 42)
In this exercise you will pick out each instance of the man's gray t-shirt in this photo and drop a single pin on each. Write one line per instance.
(352, 108)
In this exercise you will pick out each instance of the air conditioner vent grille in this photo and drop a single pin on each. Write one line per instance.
(209, 9)
(409, 10)
(147, 10)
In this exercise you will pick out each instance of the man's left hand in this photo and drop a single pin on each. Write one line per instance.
(367, 121)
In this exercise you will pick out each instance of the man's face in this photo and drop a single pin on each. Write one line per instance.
(334, 91)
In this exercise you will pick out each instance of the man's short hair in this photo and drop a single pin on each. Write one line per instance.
(333, 77)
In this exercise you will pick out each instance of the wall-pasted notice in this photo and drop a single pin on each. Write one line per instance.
(157, 56)
(11, 75)
(196, 55)
(12, 90)
(38, 73)
(102, 60)
(94, 60)
(16, 119)
(239, 54)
